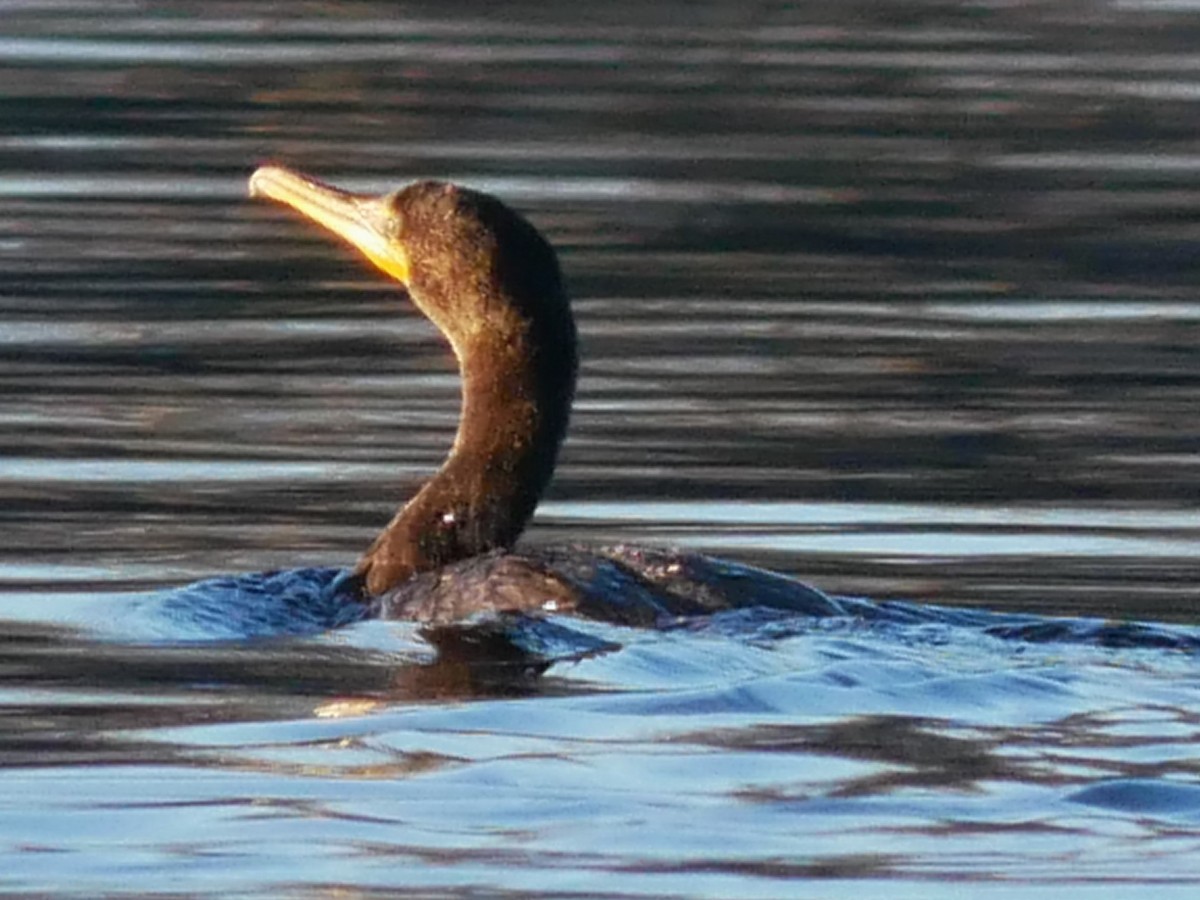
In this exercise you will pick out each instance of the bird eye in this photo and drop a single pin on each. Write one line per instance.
(395, 218)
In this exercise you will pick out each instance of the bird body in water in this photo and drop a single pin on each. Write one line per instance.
(491, 284)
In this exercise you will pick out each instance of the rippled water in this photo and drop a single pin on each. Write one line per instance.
(896, 298)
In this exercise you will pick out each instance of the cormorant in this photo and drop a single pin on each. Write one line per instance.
(491, 284)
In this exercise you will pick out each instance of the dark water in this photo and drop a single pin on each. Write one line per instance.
(897, 298)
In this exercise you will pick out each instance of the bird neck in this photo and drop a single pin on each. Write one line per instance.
(518, 383)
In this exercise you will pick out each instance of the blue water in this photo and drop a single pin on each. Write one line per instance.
(746, 754)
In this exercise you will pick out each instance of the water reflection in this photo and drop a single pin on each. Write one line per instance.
(70, 700)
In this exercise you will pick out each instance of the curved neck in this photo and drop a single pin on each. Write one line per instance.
(518, 383)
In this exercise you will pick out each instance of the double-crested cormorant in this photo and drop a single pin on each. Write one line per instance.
(491, 284)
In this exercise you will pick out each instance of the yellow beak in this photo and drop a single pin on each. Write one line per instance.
(360, 220)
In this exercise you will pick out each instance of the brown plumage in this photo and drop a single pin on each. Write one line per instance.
(491, 284)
